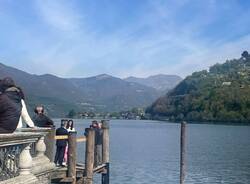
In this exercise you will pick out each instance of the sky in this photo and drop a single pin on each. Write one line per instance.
(81, 38)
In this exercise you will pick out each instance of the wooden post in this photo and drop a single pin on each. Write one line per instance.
(89, 156)
(72, 156)
(182, 152)
(50, 143)
(105, 152)
(105, 176)
(105, 144)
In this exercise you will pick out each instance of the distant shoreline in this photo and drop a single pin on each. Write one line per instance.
(168, 121)
(207, 122)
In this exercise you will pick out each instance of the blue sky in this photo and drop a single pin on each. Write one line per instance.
(80, 38)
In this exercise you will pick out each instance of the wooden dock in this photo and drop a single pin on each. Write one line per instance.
(83, 173)
(27, 157)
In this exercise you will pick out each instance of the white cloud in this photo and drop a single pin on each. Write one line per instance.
(59, 14)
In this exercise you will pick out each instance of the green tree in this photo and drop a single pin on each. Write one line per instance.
(245, 55)
(71, 113)
(220, 94)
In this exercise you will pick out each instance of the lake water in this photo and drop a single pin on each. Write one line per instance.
(145, 152)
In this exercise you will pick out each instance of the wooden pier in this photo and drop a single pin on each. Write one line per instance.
(83, 173)
(27, 156)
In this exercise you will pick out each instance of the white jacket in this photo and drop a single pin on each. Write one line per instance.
(69, 130)
(25, 116)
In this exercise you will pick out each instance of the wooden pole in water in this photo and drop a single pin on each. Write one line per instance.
(105, 144)
(105, 152)
(89, 156)
(72, 156)
(182, 152)
(50, 143)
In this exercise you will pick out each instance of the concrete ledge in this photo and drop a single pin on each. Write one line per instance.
(41, 164)
(23, 179)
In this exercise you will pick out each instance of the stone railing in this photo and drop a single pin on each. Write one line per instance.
(17, 164)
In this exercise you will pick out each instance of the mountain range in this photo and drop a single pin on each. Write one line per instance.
(101, 93)
(161, 82)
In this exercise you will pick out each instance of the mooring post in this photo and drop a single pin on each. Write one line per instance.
(105, 152)
(50, 143)
(72, 156)
(89, 156)
(182, 152)
(105, 176)
(105, 143)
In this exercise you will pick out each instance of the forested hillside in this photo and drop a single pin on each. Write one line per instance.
(221, 94)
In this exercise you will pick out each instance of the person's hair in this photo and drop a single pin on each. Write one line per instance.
(8, 82)
(64, 122)
(70, 126)
(36, 111)
(94, 122)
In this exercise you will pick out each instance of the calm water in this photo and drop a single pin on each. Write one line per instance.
(145, 152)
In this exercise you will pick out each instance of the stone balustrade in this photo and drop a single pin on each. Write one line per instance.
(17, 164)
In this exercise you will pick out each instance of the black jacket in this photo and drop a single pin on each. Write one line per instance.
(40, 120)
(98, 136)
(9, 114)
(61, 131)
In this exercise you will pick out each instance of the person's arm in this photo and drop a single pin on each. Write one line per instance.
(50, 122)
(25, 115)
(20, 122)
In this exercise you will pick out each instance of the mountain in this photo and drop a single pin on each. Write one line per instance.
(99, 93)
(221, 94)
(161, 82)
(115, 94)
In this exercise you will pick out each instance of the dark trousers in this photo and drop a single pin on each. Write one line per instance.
(98, 155)
(59, 154)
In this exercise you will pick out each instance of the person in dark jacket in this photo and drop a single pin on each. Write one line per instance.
(61, 143)
(16, 95)
(9, 112)
(40, 119)
(98, 143)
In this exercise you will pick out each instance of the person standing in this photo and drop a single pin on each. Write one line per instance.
(61, 144)
(70, 128)
(40, 119)
(98, 143)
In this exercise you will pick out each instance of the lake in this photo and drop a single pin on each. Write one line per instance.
(145, 152)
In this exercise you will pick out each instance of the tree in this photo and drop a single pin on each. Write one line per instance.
(71, 113)
(203, 97)
(245, 54)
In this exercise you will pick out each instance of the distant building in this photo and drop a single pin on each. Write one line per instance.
(226, 83)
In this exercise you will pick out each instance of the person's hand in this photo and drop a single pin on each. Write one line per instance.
(34, 127)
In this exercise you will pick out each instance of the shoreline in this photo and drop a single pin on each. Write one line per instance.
(168, 121)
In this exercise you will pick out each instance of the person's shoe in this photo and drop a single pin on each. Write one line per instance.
(64, 163)
(57, 165)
